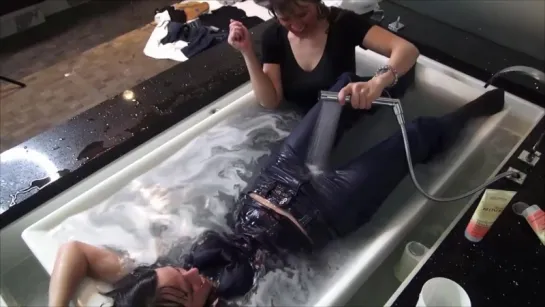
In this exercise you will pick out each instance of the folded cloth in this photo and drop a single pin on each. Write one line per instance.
(174, 31)
(179, 31)
(169, 37)
(155, 49)
(200, 39)
(221, 18)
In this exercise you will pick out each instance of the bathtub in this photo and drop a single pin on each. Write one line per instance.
(438, 89)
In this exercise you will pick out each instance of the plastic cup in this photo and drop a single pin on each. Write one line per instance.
(442, 292)
(412, 255)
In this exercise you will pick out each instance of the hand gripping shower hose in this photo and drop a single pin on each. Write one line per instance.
(330, 99)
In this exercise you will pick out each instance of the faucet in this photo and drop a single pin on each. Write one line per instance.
(538, 75)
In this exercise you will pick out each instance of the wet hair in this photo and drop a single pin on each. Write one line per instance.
(224, 260)
(139, 289)
(287, 7)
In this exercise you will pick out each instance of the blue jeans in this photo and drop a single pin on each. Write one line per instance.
(348, 196)
(331, 204)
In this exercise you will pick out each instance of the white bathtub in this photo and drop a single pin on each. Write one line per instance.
(438, 89)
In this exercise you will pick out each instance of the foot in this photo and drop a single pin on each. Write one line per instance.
(487, 104)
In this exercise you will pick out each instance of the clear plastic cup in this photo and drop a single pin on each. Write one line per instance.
(442, 292)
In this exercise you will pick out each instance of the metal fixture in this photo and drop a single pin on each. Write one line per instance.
(396, 25)
(377, 16)
(511, 174)
(327, 95)
(530, 157)
(538, 75)
(516, 175)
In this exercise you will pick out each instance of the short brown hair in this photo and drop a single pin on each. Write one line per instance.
(287, 6)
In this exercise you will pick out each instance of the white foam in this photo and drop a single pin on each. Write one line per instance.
(192, 191)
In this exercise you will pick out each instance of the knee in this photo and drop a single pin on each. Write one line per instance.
(347, 77)
(344, 79)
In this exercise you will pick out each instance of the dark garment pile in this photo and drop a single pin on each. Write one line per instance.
(206, 31)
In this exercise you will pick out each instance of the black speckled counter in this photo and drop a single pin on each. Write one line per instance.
(104, 133)
(506, 268)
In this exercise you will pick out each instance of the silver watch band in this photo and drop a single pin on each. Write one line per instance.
(385, 69)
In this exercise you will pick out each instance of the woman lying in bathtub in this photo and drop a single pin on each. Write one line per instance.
(287, 211)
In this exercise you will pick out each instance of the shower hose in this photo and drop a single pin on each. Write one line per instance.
(327, 122)
(398, 111)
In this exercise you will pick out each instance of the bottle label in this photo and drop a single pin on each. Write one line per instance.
(537, 220)
(477, 229)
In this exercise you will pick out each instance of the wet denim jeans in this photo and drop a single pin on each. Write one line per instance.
(347, 197)
(330, 205)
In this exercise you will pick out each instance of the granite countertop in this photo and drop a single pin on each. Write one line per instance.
(507, 268)
(502, 265)
(46, 165)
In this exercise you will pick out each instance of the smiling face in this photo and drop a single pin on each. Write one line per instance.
(178, 287)
(300, 17)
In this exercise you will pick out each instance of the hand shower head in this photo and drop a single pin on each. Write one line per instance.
(333, 96)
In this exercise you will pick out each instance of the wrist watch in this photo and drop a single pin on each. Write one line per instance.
(386, 68)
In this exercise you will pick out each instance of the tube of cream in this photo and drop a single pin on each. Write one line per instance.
(490, 207)
(534, 216)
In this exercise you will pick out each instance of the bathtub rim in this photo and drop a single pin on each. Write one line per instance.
(34, 233)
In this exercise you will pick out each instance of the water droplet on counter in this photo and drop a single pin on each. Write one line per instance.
(61, 139)
(63, 172)
(92, 150)
(128, 95)
(36, 184)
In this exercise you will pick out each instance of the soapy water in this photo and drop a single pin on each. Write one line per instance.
(191, 192)
(195, 188)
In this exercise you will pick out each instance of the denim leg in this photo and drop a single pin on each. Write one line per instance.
(295, 146)
(355, 191)
(299, 138)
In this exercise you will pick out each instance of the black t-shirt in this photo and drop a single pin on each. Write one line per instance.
(346, 31)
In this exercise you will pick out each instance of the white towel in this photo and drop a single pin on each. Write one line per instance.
(154, 48)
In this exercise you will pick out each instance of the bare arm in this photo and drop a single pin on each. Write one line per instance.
(266, 81)
(402, 53)
(76, 260)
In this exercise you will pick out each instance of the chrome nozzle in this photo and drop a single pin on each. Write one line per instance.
(333, 96)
